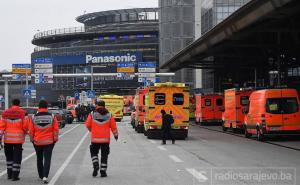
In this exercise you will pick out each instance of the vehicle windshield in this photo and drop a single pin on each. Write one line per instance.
(282, 105)
(54, 111)
(30, 111)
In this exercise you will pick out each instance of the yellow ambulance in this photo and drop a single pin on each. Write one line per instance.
(114, 104)
(174, 99)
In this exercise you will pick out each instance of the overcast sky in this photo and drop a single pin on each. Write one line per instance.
(21, 19)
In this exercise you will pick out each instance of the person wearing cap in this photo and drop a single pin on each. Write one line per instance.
(100, 123)
(13, 127)
(43, 130)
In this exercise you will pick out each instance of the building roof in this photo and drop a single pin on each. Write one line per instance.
(91, 16)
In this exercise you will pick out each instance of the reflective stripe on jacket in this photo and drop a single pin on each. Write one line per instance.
(43, 128)
(13, 125)
(100, 127)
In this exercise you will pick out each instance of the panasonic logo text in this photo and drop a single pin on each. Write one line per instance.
(111, 59)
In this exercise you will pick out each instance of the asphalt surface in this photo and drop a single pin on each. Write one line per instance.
(206, 157)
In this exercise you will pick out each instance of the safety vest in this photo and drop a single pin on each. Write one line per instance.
(13, 125)
(100, 127)
(43, 128)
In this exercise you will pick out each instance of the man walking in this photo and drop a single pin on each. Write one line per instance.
(14, 127)
(167, 121)
(43, 130)
(100, 122)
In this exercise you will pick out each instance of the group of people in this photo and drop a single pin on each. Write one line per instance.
(83, 111)
(44, 133)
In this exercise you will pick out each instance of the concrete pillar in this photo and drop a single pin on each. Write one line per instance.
(198, 72)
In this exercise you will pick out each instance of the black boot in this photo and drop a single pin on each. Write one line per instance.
(15, 176)
(103, 173)
(96, 169)
(173, 141)
(9, 174)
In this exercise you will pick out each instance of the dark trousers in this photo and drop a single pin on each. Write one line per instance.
(13, 153)
(166, 134)
(44, 154)
(94, 149)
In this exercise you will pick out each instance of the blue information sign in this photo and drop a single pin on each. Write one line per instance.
(91, 94)
(27, 93)
(147, 65)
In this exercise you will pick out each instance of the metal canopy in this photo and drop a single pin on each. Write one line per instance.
(257, 31)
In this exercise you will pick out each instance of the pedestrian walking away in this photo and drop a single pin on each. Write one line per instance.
(100, 122)
(43, 130)
(167, 121)
(13, 127)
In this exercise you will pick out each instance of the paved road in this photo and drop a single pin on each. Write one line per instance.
(137, 160)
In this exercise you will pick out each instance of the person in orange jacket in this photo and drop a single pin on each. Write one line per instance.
(43, 130)
(100, 122)
(13, 126)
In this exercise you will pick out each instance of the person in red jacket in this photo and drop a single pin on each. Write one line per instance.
(13, 126)
(100, 122)
(43, 130)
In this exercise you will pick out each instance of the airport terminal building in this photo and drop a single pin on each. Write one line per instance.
(107, 40)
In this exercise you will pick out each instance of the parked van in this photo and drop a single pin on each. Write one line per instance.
(209, 109)
(192, 107)
(236, 107)
(174, 99)
(140, 109)
(273, 112)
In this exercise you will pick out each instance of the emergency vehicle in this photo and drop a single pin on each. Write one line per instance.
(128, 103)
(192, 107)
(114, 104)
(273, 112)
(71, 104)
(174, 99)
(140, 109)
(236, 106)
(209, 109)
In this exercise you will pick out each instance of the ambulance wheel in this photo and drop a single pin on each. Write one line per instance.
(247, 134)
(260, 136)
(224, 128)
(145, 133)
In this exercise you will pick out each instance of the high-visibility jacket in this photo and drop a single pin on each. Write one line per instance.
(100, 127)
(43, 128)
(13, 125)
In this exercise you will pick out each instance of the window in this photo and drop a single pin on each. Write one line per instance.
(244, 100)
(282, 105)
(219, 102)
(178, 99)
(160, 98)
(207, 102)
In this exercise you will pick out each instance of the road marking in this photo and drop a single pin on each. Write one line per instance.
(68, 131)
(67, 161)
(152, 141)
(198, 175)
(32, 154)
(175, 159)
(162, 148)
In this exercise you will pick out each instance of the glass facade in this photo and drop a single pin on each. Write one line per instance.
(177, 30)
(212, 13)
(104, 33)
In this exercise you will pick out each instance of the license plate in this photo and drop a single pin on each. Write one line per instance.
(274, 128)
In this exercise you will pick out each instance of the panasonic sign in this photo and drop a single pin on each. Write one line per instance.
(128, 57)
